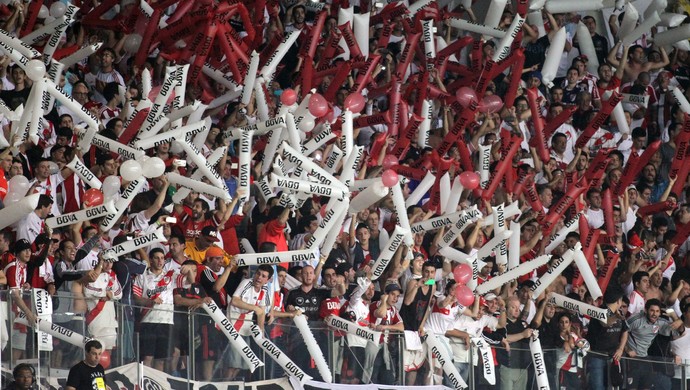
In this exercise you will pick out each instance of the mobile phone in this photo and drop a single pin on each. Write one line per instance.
(179, 163)
(170, 219)
(430, 282)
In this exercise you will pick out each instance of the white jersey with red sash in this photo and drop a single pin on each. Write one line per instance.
(151, 286)
(242, 319)
(100, 318)
(441, 318)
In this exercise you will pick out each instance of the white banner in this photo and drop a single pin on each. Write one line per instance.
(43, 304)
(279, 356)
(55, 330)
(539, 362)
(308, 255)
(354, 329)
(466, 218)
(552, 273)
(130, 246)
(580, 307)
(237, 342)
(386, 255)
(514, 273)
(313, 347)
(487, 359)
(81, 215)
(436, 223)
(445, 360)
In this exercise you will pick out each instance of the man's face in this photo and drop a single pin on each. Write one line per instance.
(643, 285)
(16, 169)
(107, 59)
(298, 15)
(24, 379)
(639, 142)
(557, 95)
(363, 235)
(282, 277)
(373, 221)
(656, 279)
(18, 75)
(582, 163)
(393, 297)
(67, 121)
(93, 356)
(69, 251)
(591, 25)
(605, 73)
(595, 200)
(176, 247)
(6, 163)
(308, 276)
(649, 173)
(109, 167)
(329, 279)
(559, 143)
(653, 313)
(157, 261)
(260, 278)
(572, 76)
(24, 256)
(513, 309)
(80, 94)
(43, 170)
(215, 263)
(428, 273)
(197, 211)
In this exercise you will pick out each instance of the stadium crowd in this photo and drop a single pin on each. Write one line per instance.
(648, 294)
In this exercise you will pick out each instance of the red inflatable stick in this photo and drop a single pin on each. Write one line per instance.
(339, 79)
(501, 168)
(388, 13)
(630, 171)
(369, 120)
(599, 119)
(409, 172)
(515, 77)
(533, 199)
(538, 140)
(237, 60)
(556, 121)
(307, 73)
(394, 110)
(563, 204)
(313, 39)
(477, 55)
(133, 126)
(682, 233)
(147, 38)
(202, 53)
(465, 160)
(597, 169)
(466, 116)
(654, 208)
(682, 178)
(402, 145)
(350, 40)
(406, 56)
(607, 206)
(30, 19)
(606, 271)
(364, 77)
(682, 144)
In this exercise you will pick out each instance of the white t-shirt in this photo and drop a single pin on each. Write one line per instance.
(243, 319)
(636, 303)
(149, 285)
(29, 227)
(681, 347)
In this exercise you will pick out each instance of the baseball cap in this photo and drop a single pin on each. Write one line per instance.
(21, 244)
(487, 298)
(536, 74)
(210, 233)
(214, 251)
(393, 287)
(343, 268)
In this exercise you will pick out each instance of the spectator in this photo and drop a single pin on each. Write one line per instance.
(24, 377)
(513, 366)
(89, 373)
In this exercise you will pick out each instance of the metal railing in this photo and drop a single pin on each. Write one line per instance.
(200, 352)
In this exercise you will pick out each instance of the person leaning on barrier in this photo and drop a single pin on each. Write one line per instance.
(606, 341)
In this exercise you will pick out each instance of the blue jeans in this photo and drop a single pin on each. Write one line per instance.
(597, 372)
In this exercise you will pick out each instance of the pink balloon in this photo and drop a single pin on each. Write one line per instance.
(318, 106)
(462, 273)
(389, 161)
(464, 295)
(389, 178)
(465, 95)
(288, 97)
(469, 180)
(491, 103)
(355, 102)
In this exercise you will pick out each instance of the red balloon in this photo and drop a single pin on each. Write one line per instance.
(465, 95)
(93, 197)
(288, 97)
(464, 295)
(389, 161)
(355, 102)
(469, 180)
(105, 359)
(318, 106)
(491, 103)
(389, 178)
(462, 273)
